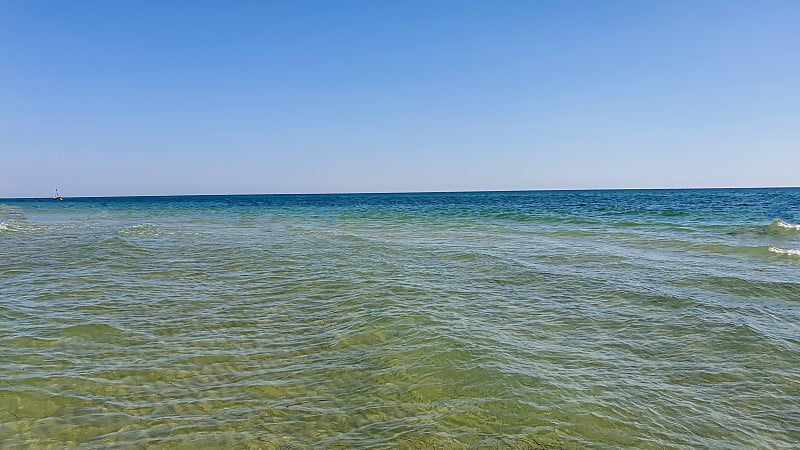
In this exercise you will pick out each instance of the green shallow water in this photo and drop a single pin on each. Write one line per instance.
(607, 319)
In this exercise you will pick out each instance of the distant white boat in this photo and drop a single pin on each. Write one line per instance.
(57, 197)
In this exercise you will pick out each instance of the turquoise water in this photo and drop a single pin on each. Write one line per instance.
(584, 319)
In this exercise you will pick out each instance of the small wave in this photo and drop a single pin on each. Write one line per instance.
(29, 341)
(25, 226)
(780, 224)
(11, 225)
(780, 251)
(100, 332)
(140, 230)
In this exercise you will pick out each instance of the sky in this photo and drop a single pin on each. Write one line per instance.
(159, 98)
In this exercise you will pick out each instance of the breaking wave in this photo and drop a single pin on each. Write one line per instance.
(781, 251)
(780, 225)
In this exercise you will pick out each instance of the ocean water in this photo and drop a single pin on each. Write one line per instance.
(524, 320)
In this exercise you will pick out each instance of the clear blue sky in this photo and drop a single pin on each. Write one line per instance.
(138, 98)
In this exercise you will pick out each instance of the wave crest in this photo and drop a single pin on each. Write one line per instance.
(780, 251)
(783, 225)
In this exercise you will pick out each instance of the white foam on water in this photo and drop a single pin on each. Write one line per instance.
(12, 225)
(780, 251)
(782, 224)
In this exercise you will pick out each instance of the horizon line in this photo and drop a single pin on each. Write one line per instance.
(406, 192)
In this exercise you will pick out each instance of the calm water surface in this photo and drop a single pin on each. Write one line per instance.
(590, 319)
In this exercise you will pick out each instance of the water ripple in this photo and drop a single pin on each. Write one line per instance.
(485, 320)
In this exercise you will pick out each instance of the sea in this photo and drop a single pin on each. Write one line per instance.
(609, 319)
